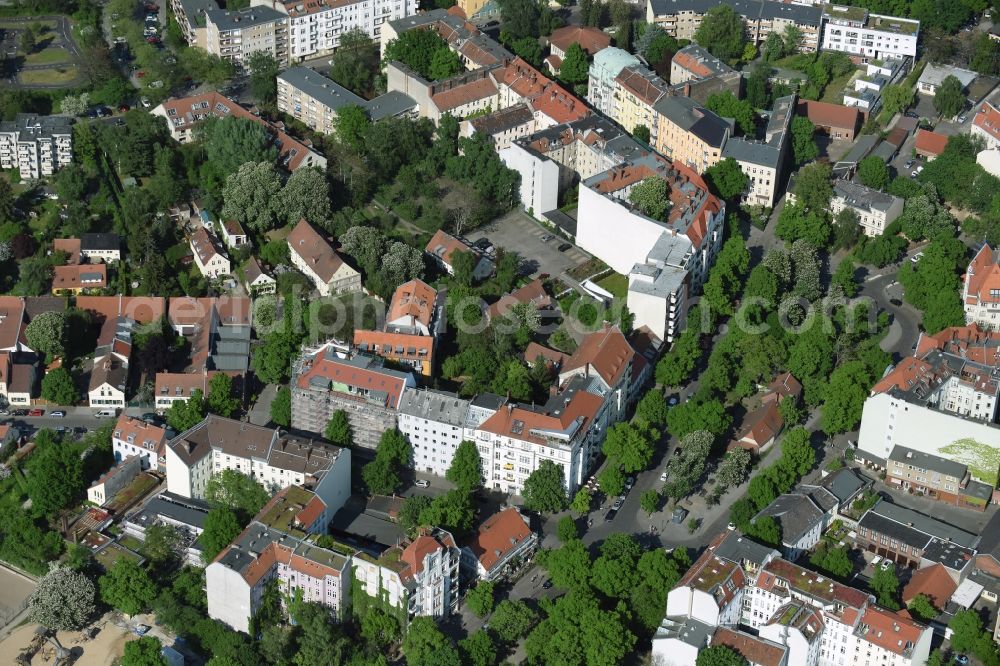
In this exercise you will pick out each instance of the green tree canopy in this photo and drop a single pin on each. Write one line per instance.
(721, 32)
(184, 414)
(63, 600)
(338, 429)
(575, 68)
(127, 587)
(46, 333)
(220, 399)
(425, 52)
(720, 655)
(651, 197)
(240, 493)
(544, 489)
(55, 475)
(466, 467)
(727, 105)
(727, 179)
(949, 99)
(221, 527)
(59, 387)
(804, 146)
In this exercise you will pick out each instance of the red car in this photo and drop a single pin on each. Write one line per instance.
(36, 412)
(123, 108)
(152, 40)
(140, 74)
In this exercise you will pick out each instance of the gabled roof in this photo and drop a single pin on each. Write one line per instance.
(206, 246)
(930, 143)
(933, 581)
(589, 38)
(796, 513)
(538, 427)
(988, 120)
(532, 293)
(414, 299)
(894, 632)
(86, 276)
(396, 345)
(313, 249)
(140, 433)
(418, 550)
(825, 114)
(363, 374)
(498, 535)
(606, 352)
(71, 246)
(982, 278)
(11, 321)
(754, 649)
(443, 246)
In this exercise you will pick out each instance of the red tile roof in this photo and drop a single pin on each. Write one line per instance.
(606, 352)
(205, 245)
(983, 277)
(755, 650)
(891, 631)
(647, 89)
(970, 342)
(314, 250)
(589, 38)
(140, 433)
(552, 356)
(181, 384)
(533, 293)
(413, 299)
(11, 321)
(810, 583)
(932, 581)
(466, 93)
(71, 246)
(528, 425)
(500, 534)
(396, 346)
(825, 114)
(443, 245)
(189, 111)
(418, 550)
(86, 276)
(541, 93)
(930, 143)
(692, 64)
(988, 120)
(332, 369)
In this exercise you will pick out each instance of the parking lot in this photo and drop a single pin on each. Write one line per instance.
(516, 232)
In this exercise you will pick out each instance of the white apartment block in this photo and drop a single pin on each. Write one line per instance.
(421, 576)
(738, 585)
(316, 26)
(273, 458)
(235, 35)
(434, 424)
(875, 210)
(981, 290)
(856, 31)
(36, 145)
(134, 437)
(681, 18)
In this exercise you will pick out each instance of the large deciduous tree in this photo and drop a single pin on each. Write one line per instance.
(252, 196)
(544, 489)
(307, 195)
(237, 492)
(63, 600)
(127, 587)
(466, 467)
(949, 99)
(721, 32)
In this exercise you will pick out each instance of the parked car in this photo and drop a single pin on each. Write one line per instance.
(145, 102)
(679, 515)
(547, 584)
(610, 515)
(663, 476)
(36, 412)
(962, 118)
(672, 399)
(908, 164)
(546, 238)
(618, 504)
(58, 414)
(917, 257)
(19, 412)
(564, 247)
(422, 483)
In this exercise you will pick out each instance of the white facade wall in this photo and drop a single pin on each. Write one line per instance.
(673, 652)
(106, 395)
(539, 179)
(607, 229)
(376, 580)
(217, 266)
(433, 442)
(229, 596)
(507, 462)
(869, 42)
(887, 421)
(319, 33)
(35, 156)
(873, 222)
(689, 602)
(800, 651)
(992, 141)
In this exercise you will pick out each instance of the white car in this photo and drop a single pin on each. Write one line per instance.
(663, 477)
(145, 102)
(917, 257)
(422, 483)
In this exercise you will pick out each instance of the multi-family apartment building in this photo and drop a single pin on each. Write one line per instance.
(592, 40)
(602, 76)
(474, 49)
(781, 610)
(235, 35)
(986, 124)
(145, 441)
(694, 62)
(184, 114)
(315, 27)
(681, 18)
(326, 379)
(637, 90)
(413, 323)
(500, 544)
(868, 36)
(689, 133)
(867, 93)
(981, 289)
(664, 259)
(279, 547)
(420, 576)
(942, 401)
(764, 161)
(36, 145)
(434, 424)
(273, 458)
(875, 209)
(312, 98)
(313, 255)
(935, 477)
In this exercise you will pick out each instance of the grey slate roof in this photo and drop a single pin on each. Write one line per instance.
(845, 483)
(989, 543)
(753, 152)
(756, 9)
(915, 528)
(796, 513)
(860, 196)
(184, 510)
(692, 117)
(738, 548)
(243, 18)
(928, 461)
(30, 125)
(705, 58)
(333, 95)
(100, 242)
(439, 406)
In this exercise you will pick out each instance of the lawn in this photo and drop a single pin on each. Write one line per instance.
(49, 77)
(49, 56)
(615, 283)
(833, 93)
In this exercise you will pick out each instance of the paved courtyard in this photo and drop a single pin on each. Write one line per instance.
(517, 232)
